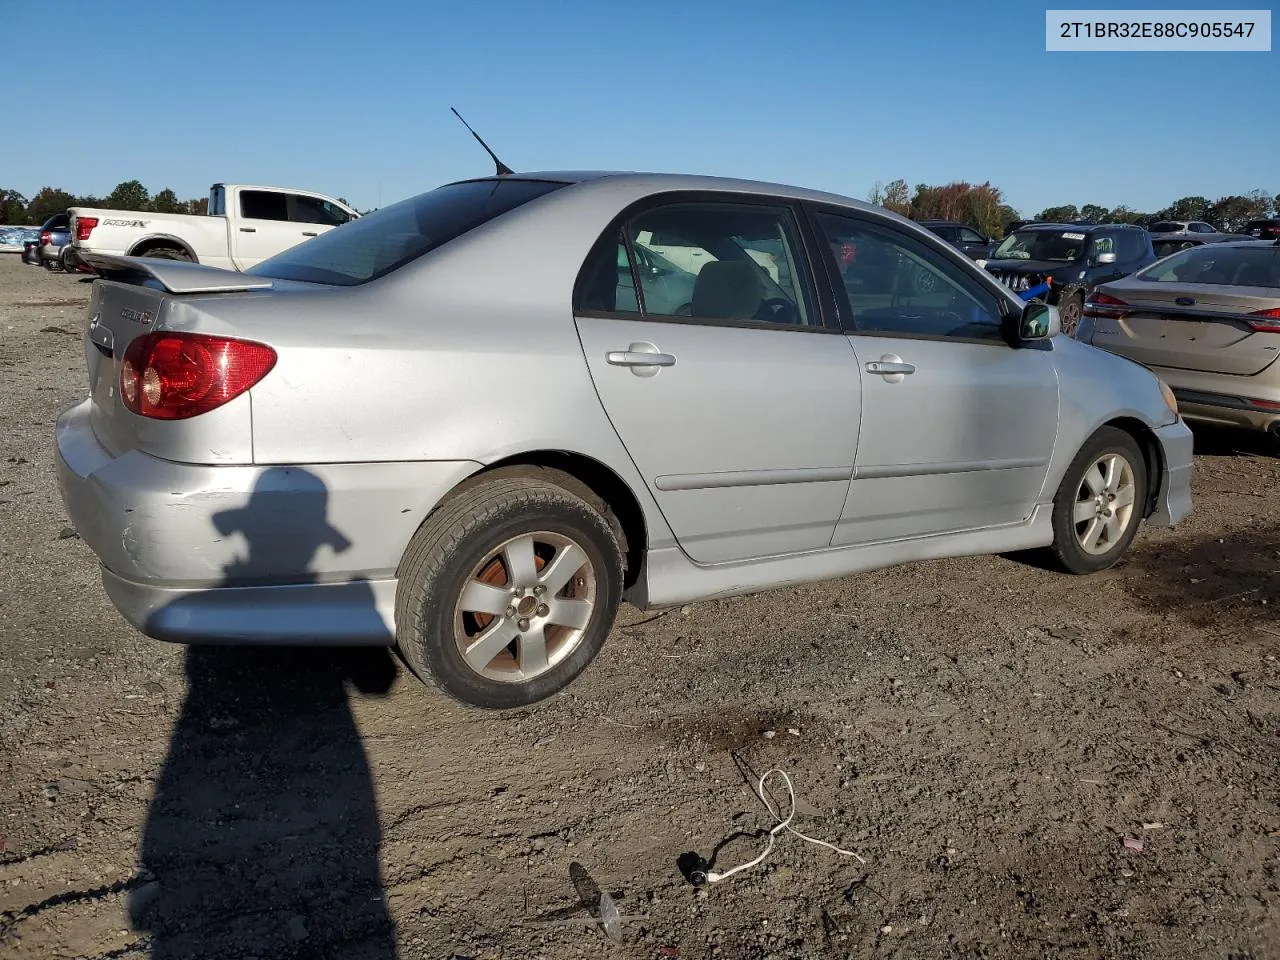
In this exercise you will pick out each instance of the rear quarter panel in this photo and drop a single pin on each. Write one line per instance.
(121, 231)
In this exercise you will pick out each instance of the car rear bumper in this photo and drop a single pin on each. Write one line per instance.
(1228, 410)
(238, 554)
(1174, 500)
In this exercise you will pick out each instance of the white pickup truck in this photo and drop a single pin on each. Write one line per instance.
(245, 225)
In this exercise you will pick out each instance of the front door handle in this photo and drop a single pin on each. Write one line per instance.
(642, 357)
(308, 233)
(248, 229)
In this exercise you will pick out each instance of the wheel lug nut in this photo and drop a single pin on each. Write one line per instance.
(543, 609)
(523, 623)
(511, 611)
(539, 590)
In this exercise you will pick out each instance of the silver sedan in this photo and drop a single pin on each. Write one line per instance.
(471, 424)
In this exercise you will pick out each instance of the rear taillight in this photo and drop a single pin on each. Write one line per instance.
(1268, 321)
(173, 376)
(1105, 305)
(84, 227)
(46, 238)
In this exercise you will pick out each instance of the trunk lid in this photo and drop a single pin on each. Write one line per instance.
(1190, 326)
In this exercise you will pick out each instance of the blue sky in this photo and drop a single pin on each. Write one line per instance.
(353, 98)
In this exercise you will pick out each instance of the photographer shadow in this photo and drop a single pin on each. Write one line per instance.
(262, 837)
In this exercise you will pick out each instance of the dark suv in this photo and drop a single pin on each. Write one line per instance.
(1074, 258)
(969, 240)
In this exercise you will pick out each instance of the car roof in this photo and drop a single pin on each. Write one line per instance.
(626, 180)
(1079, 227)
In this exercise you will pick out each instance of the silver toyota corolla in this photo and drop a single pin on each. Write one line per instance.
(472, 423)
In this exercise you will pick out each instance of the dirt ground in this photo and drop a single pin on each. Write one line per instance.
(1030, 764)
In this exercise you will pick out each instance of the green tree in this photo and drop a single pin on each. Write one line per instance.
(1094, 212)
(1188, 208)
(1064, 214)
(1230, 214)
(13, 207)
(1123, 214)
(47, 202)
(129, 195)
(166, 201)
(897, 197)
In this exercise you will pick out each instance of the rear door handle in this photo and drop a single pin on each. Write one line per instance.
(308, 233)
(628, 358)
(884, 367)
(642, 357)
(248, 229)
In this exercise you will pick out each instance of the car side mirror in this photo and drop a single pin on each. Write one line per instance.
(1039, 321)
(1104, 258)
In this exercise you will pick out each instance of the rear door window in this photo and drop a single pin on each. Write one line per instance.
(264, 205)
(314, 210)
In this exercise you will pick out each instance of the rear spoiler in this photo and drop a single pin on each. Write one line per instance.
(174, 276)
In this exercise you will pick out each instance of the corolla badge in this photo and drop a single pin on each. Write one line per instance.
(1185, 301)
(137, 316)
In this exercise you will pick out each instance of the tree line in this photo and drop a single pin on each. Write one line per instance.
(15, 209)
(983, 206)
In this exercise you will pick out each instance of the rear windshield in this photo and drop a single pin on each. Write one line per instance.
(373, 246)
(1041, 245)
(1246, 266)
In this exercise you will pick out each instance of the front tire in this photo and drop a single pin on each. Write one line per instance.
(507, 592)
(1100, 503)
(1070, 310)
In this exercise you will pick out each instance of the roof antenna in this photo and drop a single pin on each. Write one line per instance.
(503, 169)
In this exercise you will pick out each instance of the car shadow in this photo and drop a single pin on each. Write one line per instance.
(1222, 441)
(262, 836)
(1219, 579)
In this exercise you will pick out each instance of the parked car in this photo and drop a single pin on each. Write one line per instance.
(1263, 229)
(1165, 245)
(245, 225)
(1182, 226)
(1207, 320)
(971, 241)
(31, 252)
(441, 427)
(1073, 258)
(54, 234)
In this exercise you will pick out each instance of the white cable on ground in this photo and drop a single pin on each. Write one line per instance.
(783, 824)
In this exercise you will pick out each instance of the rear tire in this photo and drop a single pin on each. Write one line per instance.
(487, 607)
(1100, 503)
(167, 253)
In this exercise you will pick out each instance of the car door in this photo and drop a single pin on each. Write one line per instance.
(742, 413)
(957, 426)
(266, 226)
(315, 215)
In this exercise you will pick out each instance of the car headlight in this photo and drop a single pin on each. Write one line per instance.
(1169, 399)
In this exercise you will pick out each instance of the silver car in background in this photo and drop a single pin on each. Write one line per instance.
(1207, 321)
(452, 426)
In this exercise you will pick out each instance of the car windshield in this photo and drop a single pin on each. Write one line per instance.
(387, 239)
(1064, 246)
(1246, 266)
